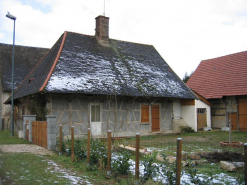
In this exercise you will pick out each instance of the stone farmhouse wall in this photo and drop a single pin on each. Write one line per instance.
(122, 115)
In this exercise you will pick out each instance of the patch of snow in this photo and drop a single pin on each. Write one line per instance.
(221, 178)
(67, 174)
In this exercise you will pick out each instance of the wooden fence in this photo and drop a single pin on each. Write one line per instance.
(39, 133)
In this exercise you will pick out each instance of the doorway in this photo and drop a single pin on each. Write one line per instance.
(155, 113)
(201, 118)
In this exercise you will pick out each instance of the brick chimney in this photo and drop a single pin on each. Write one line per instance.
(102, 30)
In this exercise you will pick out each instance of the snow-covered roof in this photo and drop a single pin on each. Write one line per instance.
(77, 63)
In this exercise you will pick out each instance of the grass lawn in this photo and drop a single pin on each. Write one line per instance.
(6, 138)
(25, 168)
(192, 142)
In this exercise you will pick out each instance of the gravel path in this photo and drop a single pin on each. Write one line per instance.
(25, 148)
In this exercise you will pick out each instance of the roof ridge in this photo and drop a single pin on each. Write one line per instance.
(111, 39)
(224, 56)
(24, 46)
(55, 62)
(31, 71)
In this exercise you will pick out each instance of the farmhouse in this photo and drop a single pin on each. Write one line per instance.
(102, 83)
(223, 82)
(25, 59)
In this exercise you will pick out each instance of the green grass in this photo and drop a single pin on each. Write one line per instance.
(6, 138)
(192, 142)
(34, 169)
(28, 169)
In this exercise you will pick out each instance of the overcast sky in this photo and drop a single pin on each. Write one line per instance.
(184, 32)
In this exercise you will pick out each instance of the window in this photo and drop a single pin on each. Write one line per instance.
(95, 113)
(145, 114)
(201, 111)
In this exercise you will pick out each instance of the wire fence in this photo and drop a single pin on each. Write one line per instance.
(176, 149)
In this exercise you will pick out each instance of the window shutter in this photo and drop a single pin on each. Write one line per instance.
(145, 114)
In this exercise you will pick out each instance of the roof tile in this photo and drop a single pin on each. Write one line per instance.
(222, 76)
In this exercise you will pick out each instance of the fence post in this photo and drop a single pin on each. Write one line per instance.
(245, 163)
(60, 140)
(51, 132)
(109, 153)
(137, 156)
(27, 132)
(1, 124)
(29, 118)
(72, 144)
(88, 146)
(179, 158)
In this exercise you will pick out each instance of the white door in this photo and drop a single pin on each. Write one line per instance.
(177, 110)
(95, 119)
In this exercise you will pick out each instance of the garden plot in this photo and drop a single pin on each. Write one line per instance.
(186, 178)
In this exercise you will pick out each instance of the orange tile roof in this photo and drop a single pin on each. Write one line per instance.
(222, 76)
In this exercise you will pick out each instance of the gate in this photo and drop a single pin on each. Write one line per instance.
(39, 133)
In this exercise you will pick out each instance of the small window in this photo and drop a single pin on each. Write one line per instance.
(145, 114)
(201, 111)
(95, 113)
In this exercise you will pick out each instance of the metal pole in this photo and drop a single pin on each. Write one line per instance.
(137, 156)
(88, 146)
(12, 83)
(179, 157)
(109, 153)
(245, 163)
(12, 88)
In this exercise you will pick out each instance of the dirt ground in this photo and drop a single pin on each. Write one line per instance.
(25, 148)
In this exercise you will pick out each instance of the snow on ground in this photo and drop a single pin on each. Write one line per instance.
(221, 178)
(65, 173)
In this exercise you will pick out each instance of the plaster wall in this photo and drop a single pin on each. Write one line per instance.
(5, 109)
(177, 110)
(121, 115)
(189, 115)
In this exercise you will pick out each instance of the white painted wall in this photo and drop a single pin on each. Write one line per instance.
(189, 113)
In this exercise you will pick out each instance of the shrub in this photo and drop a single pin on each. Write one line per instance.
(150, 170)
(98, 152)
(80, 148)
(186, 129)
(121, 165)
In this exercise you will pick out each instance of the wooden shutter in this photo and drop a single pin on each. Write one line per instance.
(155, 118)
(145, 114)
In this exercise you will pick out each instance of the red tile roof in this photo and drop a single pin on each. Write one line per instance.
(222, 76)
